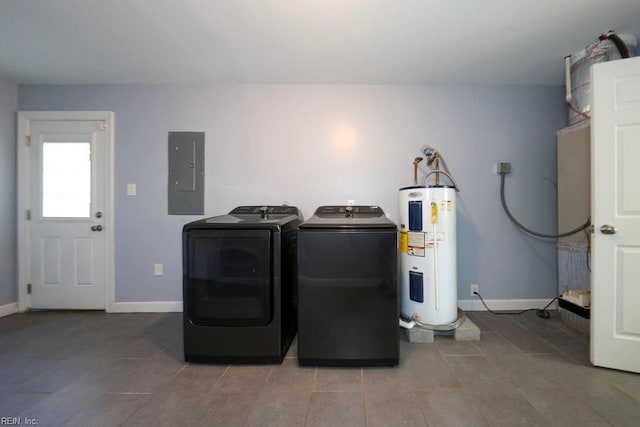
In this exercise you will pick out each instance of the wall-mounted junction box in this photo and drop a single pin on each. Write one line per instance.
(503, 168)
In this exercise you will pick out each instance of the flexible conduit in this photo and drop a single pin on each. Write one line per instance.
(529, 231)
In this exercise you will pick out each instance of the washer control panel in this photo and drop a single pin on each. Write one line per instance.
(349, 211)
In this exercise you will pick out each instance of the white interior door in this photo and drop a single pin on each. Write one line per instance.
(615, 152)
(68, 209)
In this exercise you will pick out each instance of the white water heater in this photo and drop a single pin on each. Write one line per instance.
(428, 277)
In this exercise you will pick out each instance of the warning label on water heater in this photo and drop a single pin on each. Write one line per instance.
(415, 243)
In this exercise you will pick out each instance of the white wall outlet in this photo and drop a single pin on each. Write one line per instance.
(158, 269)
(131, 190)
(474, 289)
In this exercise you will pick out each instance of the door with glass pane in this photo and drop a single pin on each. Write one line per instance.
(67, 189)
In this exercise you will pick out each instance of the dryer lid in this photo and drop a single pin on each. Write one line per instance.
(258, 216)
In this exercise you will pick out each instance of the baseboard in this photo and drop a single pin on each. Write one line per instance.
(146, 307)
(176, 306)
(8, 309)
(505, 304)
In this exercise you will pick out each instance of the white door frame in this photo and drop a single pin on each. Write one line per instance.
(23, 174)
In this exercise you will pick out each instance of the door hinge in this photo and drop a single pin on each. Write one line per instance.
(28, 214)
(28, 288)
(27, 140)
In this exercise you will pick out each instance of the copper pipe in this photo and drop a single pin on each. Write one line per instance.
(415, 169)
(437, 170)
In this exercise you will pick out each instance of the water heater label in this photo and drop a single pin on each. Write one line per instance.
(446, 205)
(441, 236)
(404, 242)
(434, 213)
(415, 244)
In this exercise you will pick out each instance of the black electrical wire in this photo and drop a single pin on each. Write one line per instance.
(525, 229)
(540, 312)
(588, 253)
(620, 44)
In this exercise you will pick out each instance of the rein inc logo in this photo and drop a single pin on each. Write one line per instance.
(18, 421)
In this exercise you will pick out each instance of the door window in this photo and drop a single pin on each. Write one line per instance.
(66, 179)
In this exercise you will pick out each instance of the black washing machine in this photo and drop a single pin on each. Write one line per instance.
(239, 283)
(347, 288)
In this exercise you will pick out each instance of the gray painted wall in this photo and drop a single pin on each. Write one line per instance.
(310, 145)
(8, 264)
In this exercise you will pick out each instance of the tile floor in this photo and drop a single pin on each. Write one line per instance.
(96, 369)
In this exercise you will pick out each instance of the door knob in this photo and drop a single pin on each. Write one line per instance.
(96, 228)
(608, 229)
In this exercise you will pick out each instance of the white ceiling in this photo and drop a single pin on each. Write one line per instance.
(301, 41)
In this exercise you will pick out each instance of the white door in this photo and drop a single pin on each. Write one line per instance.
(615, 183)
(67, 211)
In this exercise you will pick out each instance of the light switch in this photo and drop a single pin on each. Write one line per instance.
(131, 189)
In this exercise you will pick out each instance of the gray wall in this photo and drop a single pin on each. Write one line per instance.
(8, 264)
(310, 145)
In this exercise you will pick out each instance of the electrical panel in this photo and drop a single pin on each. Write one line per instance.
(186, 173)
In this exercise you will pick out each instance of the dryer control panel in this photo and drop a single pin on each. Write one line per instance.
(262, 210)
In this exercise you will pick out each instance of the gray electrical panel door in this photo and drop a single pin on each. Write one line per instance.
(186, 173)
